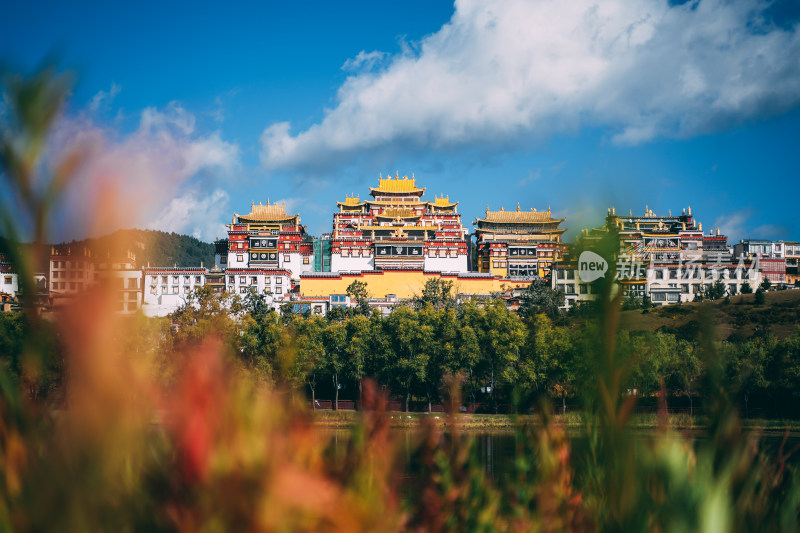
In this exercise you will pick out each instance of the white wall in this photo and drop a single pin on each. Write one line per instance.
(9, 288)
(277, 284)
(351, 264)
(162, 298)
(233, 262)
(446, 264)
(295, 264)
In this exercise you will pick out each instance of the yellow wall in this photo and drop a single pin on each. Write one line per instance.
(403, 284)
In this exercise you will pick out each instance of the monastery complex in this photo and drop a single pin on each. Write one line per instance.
(395, 240)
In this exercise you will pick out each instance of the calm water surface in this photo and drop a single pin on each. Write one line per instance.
(496, 449)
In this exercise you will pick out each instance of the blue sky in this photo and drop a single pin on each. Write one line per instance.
(193, 111)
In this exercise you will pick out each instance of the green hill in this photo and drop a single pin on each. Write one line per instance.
(737, 320)
(156, 248)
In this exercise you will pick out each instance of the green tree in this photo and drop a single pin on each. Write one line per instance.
(205, 313)
(255, 303)
(264, 347)
(685, 370)
(548, 361)
(308, 333)
(359, 331)
(334, 339)
(436, 293)
(765, 284)
(717, 290)
(760, 298)
(501, 336)
(747, 288)
(358, 292)
(540, 297)
(410, 341)
(746, 365)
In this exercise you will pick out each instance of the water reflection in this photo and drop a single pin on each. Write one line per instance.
(496, 450)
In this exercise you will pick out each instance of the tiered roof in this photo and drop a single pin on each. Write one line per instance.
(267, 213)
(396, 185)
(518, 217)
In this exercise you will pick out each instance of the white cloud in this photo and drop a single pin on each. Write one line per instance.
(127, 180)
(364, 61)
(196, 216)
(530, 178)
(769, 231)
(103, 99)
(505, 72)
(734, 225)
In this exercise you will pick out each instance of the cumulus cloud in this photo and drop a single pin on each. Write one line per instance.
(142, 172)
(195, 215)
(511, 72)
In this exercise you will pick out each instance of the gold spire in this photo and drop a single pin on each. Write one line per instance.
(517, 207)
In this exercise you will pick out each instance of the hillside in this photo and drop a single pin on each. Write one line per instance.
(156, 248)
(739, 319)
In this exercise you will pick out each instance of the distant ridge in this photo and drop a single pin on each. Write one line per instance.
(158, 248)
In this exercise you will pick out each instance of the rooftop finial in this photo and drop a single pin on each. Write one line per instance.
(396, 175)
(517, 207)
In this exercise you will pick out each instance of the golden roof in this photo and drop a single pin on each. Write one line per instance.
(351, 200)
(520, 233)
(396, 184)
(519, 217)
(396, 201)
(443, 202)
(267, 213)
(398, 213)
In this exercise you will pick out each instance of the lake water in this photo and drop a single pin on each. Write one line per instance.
(496, 450)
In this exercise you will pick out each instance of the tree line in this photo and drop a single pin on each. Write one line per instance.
(505, 358)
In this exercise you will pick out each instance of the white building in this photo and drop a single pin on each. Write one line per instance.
(167, 289)
(76, 270)
(274, 282)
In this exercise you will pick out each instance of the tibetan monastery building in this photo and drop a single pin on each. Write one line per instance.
(398, 229)
(652, 237)
(518, 244)
(268, 241)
